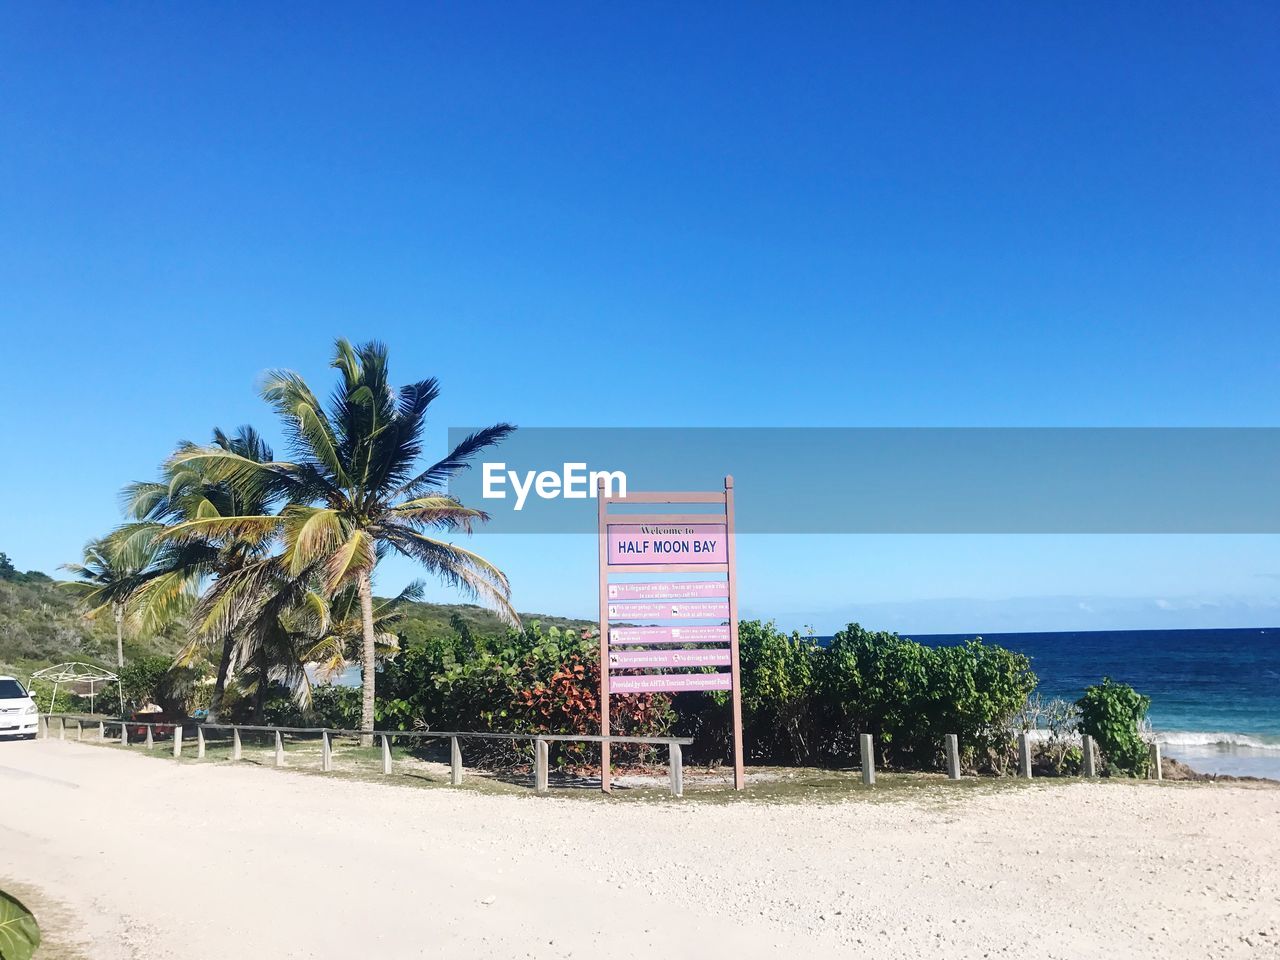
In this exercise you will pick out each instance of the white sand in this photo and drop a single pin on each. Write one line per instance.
(190, 861)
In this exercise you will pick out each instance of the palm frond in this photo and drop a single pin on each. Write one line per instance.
(249, 529)
(353, 557)
(310, 430)
(458, 567)
(439, 512)
(458, 459)
(311, 534)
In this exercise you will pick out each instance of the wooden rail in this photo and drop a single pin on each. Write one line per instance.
(675, 770)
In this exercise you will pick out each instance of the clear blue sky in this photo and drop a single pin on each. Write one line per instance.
(931, 215)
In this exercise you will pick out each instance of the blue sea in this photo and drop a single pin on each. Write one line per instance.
(1215, 694)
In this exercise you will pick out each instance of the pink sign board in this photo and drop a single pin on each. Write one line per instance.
(699, 589)
(649, 659)
(671, 683)
(679, 610)
(619, 636)
(636, 543)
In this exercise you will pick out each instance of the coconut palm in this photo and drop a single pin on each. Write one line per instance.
(355, 492)
(109, 577)
(340, 628)
(210, 562)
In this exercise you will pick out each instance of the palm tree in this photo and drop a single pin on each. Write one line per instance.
(210, 562)
(109, 577)
(340, 628)
(354, 492)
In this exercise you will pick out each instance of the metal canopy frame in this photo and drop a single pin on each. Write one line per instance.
(74, 672)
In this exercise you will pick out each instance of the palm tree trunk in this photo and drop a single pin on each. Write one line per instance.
(260, 695)
(367, 655)
(220, 685)
(118, 610)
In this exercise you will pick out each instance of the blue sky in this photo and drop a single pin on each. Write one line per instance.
(822, 215)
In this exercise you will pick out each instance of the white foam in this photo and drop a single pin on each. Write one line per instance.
(1196, 738)
(1183, 738)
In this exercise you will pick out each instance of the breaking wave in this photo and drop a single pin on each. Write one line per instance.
(1197, 738)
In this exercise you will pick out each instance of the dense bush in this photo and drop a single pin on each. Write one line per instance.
(802, 703)
(1112, 713)
(525, 681)
(156, 680)
(778, 693)
(910, 697)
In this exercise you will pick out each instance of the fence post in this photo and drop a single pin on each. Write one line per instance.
(953, 756)
(1154, 771)
(151, 742)
(1024, 755)
(386, 754)
(199, 742)
(102, 730)
(675, 763)
(42, 727)
(868, 760)
(326, 751)
(1089, 758)
(62, 728)
(279, 750)
(540, 762)
(79, 729)
(177, 741)
(455, 762)
(235, 743)
(124, 734)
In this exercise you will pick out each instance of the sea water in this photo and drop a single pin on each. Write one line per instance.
(1215, 694)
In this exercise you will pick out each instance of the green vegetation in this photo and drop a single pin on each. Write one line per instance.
(910, 696)
(1112, 713)
(108, 578)
(223, 621)
(19, 932)
(803, 705)
(352, 492)
(529, 680)
(41, 624)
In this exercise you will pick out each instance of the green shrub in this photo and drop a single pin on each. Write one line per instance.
(778, 693)
(910, 696)
(525, 681)
(1112, 713)
(333, 706)
(155, 679)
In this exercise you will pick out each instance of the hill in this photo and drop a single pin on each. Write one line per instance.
(40, 625)
(422, 620)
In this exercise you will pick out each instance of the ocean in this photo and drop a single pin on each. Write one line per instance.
(1215, 694)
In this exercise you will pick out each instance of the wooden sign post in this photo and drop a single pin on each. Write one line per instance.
(666, 543)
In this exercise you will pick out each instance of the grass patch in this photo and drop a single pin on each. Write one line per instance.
(428, 769)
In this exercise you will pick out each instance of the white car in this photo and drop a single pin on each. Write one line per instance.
(18, 714)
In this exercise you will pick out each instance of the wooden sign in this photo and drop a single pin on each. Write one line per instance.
(673, 683)
(658, 543)
(651, 659)
(680, 610)
(666, 543)
(686, 634)
(685, 590)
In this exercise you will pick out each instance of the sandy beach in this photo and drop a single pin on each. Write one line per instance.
(134, 857)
